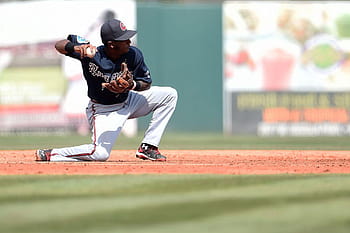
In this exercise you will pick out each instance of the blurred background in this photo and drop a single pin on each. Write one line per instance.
(263, 68)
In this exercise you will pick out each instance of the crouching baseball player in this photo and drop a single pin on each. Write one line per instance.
(119, 88)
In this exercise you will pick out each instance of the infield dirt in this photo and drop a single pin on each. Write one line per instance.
(187, 162)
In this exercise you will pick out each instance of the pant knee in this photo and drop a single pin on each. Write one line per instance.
(100, 154)
(172, 94)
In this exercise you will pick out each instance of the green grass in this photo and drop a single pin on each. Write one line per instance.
(175, 203)
(184, 141)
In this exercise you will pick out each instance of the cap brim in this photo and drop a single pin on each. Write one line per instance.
(127, 35)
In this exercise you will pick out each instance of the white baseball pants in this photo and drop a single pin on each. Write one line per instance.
(106, 122)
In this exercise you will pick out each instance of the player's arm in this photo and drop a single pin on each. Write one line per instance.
(142, 86)
(142, 75)
(70, 47)
(60, 46)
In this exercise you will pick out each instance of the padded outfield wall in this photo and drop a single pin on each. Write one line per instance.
(182, 45)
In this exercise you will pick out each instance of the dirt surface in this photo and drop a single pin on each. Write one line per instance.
(187, 162)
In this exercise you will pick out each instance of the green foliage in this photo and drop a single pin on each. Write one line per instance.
(175, 203)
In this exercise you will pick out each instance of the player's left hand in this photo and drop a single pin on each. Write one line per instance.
(114, 87)
(123, 83)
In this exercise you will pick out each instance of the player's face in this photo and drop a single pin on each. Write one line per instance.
(123, 46)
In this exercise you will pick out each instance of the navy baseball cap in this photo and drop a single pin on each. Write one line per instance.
(114, 29)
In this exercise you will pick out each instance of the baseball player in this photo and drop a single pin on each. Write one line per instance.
(119, 88)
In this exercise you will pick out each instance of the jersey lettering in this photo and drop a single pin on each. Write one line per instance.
(93, 69)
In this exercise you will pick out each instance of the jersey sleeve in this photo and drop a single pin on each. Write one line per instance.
(141, 71)
(76, 40)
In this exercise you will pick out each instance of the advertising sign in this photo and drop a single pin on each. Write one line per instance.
(285, 53)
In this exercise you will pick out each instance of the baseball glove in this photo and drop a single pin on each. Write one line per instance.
(122, 83)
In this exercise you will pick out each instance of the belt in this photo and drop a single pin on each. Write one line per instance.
(94, 101)
(97, 102)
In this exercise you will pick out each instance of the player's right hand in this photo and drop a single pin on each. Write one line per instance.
(86, 50)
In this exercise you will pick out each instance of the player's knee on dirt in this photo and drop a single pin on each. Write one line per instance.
(100, 154)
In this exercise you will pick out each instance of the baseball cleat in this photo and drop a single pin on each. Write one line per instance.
(149, 152)
(43, 155)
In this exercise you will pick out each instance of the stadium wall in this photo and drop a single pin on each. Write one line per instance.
(182, 44)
